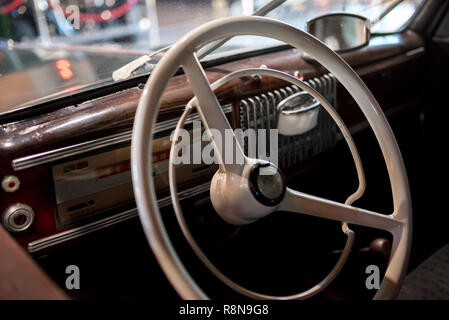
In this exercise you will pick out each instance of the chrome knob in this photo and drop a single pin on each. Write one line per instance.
(18, 217)
(297, 114)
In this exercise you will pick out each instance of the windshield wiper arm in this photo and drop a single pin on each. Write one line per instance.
(390, 8)
(262, 11)
(128, 69)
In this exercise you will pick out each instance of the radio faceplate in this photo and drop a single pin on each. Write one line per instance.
(94, 184)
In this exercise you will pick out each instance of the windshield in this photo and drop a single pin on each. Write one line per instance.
(54, 47)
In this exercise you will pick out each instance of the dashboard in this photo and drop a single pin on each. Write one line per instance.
(65, 171)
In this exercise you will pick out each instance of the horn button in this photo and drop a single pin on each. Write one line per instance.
(267, 183)
(242, 199)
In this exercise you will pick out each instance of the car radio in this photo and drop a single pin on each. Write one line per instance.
(96, 183)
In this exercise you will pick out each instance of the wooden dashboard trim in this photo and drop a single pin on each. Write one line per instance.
(92, 145)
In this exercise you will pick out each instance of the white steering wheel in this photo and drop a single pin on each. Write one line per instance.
(235, 193)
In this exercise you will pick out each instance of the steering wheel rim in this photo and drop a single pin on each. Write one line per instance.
(183, 53)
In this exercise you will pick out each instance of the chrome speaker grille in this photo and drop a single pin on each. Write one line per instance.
(260, 112)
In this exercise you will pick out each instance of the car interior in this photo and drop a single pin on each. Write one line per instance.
(223, 149)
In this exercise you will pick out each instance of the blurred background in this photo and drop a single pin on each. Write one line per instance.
(150, 24)
(51, 48)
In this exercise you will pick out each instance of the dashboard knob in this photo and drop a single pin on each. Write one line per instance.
(18, 217)
(10, 183)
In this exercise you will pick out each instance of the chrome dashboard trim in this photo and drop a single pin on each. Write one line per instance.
(80, 231)
(76, 149)
(415, 51)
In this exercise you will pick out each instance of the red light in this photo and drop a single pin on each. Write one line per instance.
(63, 66)
(66, 73)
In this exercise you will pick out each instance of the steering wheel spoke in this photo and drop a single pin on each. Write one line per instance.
(230, 158)
(307, 204)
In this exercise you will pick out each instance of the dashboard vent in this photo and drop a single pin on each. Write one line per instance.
(260, 112)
